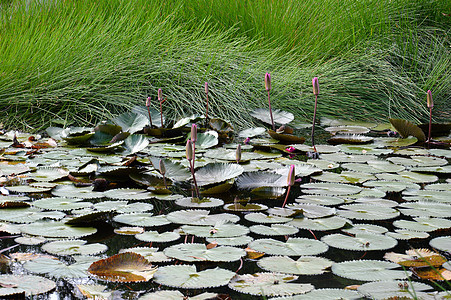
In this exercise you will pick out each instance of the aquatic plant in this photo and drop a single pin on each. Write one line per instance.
(268, 88)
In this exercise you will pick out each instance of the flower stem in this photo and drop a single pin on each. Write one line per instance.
(430, 126)
(270, 113)
(313, 125)
(150, 118)
(191, 164)
(286, 197)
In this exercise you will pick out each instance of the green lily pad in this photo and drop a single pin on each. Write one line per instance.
(319, 148)
(320, 200)
(60, 203)
(325, 294)
(365, 228)
(408, 176)
(28, 284)
(426, 209)
(364, 149)
(27, 189)
(142, 219)
(292, 247)
(369, 270)
(58, 269)
(402, 234)
(350, 139)
(267, 219)
(391, 186)
(442, 243)
(320, 224)
(128, 194)
(304, 265)
(394, 289)
(279, 116)
(70, 191)
(200, 217)
(426, 224)
(57, 230)
(268, 284)
(374, 166)
(220, 230)
(217, 172)
(367, 212)
(154, 236)
(360, 242)
(251, 132)
(174, 171)
(396, 142)
(330, 189)
(274, 229)
(187, 277)
(199, 252)
(28, 215)
(344, 177)
(406, 129)
(231, 241)
(134, 143)
(131, 121)
(245, 207)
(206, 139)
(151, 254)
(199, 203)
(72, 247)
(348, 129)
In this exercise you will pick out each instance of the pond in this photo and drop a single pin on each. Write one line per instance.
(112, 212)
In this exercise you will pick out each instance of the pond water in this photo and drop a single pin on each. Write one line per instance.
(385, 184)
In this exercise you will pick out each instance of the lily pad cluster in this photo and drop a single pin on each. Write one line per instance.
(66, 202)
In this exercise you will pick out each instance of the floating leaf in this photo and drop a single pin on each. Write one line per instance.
(28, 215)
(401, 234)
(174, 171)
(94, 291)
(60, 203)
(304, 265)
(330, 189)
(274, 229)
(28, 284)
(268, 284)
(292, 247)
(319, 200)
(206, 139)
(199, 252)
(326, 294)
(348, 129)
(71, 247)
(123, 267)
(252, 180)
(426, 209)
(154, 236)
(439, 274)
(48, 174)
(70, 191)
(262, 218)
(200, 217)
(57, 229)
(56, 268)
(128, 194)
(416, 258)
(187, 277)
(217, 172)
(394, 289)
(279, 116)
(365, 228)
(360, 242)
(131, 121)
(406, 129)
(245, 207)
(231, 241)
(367, 212)
(142, 219)
(217, 231)
(442, 243)
(423, 224)
(199, 203)
(286, 138)
(369, 270)
(320, 224)
(151, 254)
(134, 143)
(251, 132)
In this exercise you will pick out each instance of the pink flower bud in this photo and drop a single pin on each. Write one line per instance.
(291, 176)
(430, 103)
(290, 149)
(315, 86)
(160, 95)
(162, 167)
(189, 150)
(247, 141)
(148, 101)
(238, 153)
(268, 81)
(206, 87)
(194, 133)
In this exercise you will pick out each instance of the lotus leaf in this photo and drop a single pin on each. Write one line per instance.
(58, 269)
(394, 289)
(292, 247)
(123, 267)
(176, 295)
(401, 234)
(367, 212)
(200, 217)
(246, 207)
(279, 116)
(142, 219)
(187, 277)
(217, 172)
(365, 228)
(128, 194)
(57, 229)
(154, 236)
(426, 224)
(221, 230)
(27, 189)
(320, 224)
(406, 129)
(319, 148)
(154, 114)
(274, 229)
(199, 252)
(442, 243)
(125, 230)
(360, 242)
(60, 203)
(268, 284)
(29, 240)
(350, 139)
(94, 291)
(151, 254)
(199, 203)
(348, 158)
(304, 265)
(263, 218)
(71, 247)
(416, 258)
(438, 187)
(230, 155)
(320, 200)
(131, 121)
(426, 209)
(369, 270)
(28, 215)
(28, 284)
(174, 171)
(252, 180)
(231, 241)
(134, 143)
(70, 191)
(251, 132)
(325, 294)
(110, 205)
(330, 189)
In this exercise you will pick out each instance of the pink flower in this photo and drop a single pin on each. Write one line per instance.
(290, 149)
(246, 141)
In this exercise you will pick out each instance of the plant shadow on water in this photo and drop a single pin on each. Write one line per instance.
(353, 200)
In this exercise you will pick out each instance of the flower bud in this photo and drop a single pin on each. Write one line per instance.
(268, 81)
(206, 87)
(291, 176)
(238, 153)
(162, 167)
(189, 150)
(160, 95)
(429, 99)
(148, 101)
(194, 133)
(315, 86)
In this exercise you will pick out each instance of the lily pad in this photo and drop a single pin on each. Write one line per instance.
(154, 236)
(394, 289)
(360, 242)
(220, 230)
(72, 247)
(231, 241)
(369, 270)
(217, 172)
(123, 267)
(348, 129)
(320, 224)
(292, 247)
(128, 194)
(60, 203)
(407, 128)
(252, 180)
(28, 284)
(199, 252)
(325, 294)
(263, 218)
(268, 284)
(58, 269)
(442, 243)
(251, 132)
(274, 229)
(279, 116)
(187, 277)
(367, 212)
(57, 230)
(200, 217)
(425, 224)
(70, 191)
(151, 254)
(142, 219)
(304, 265)
(199, 203)
(330, 189)
(131, 121)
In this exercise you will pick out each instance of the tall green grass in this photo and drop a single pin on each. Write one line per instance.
(78, 62)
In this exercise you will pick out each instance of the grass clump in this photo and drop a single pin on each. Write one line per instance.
(77, 62)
